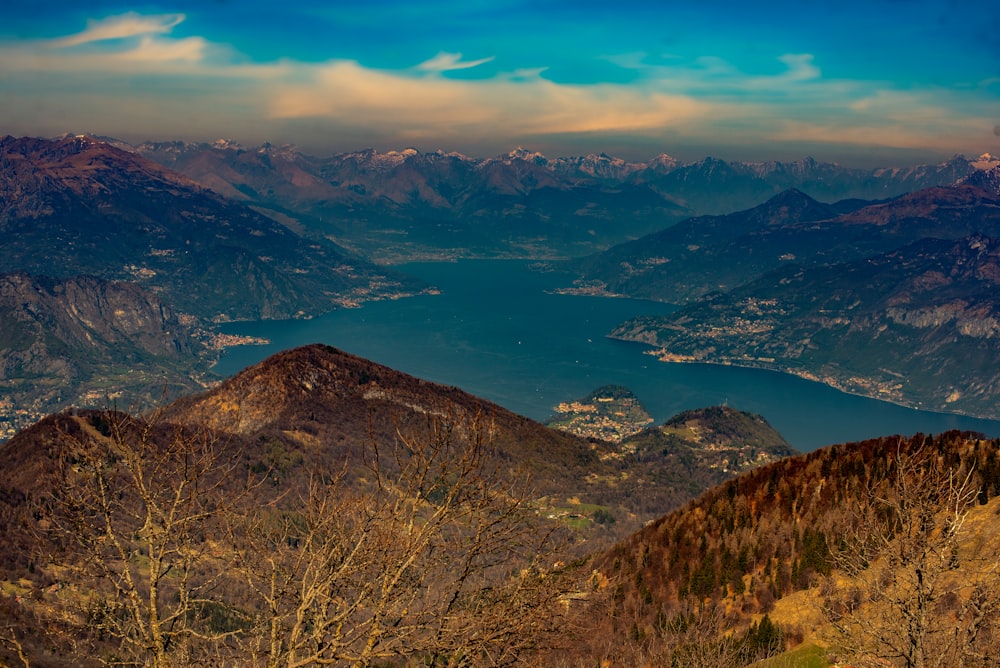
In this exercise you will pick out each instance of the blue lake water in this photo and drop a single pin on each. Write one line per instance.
(494, 331)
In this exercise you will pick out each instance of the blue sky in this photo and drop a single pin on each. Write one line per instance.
(883, 81)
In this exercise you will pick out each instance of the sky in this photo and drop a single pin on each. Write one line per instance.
(875, 82)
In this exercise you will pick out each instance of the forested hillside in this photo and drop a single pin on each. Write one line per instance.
(854, 524)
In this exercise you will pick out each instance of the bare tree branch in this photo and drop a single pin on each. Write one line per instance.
(908, 590)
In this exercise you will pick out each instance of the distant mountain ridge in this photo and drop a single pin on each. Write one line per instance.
(718, 253)
(708, 253)
(520, 203)
(876, 183)
(401, 204)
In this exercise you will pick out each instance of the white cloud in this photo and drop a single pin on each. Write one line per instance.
(444, 62)
(800, 67)
(121, 27)
(346, 92)
(158, 51)
(130, 44)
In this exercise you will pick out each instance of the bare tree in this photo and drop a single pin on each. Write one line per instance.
(433, 552)
(10, 641)
(912, 590)
(135, 504)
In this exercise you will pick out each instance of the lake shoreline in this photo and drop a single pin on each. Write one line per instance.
(497, 330)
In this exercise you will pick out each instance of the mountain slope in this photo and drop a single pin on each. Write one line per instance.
(701, 254)
(698, 449)
(986, 179)
(756, 539)
(709, 254)
(84, 340)
(318, 394)
(81, 206)
(919, 325)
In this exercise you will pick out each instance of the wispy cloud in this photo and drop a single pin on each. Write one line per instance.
(129, 44)
(122, 27)
(524, 104)
(444, 62)
(800, 67)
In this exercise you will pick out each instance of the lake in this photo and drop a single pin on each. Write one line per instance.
(496, 332)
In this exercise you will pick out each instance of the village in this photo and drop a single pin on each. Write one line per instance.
(610, 413)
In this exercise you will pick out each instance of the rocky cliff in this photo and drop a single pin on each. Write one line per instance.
(85, 340)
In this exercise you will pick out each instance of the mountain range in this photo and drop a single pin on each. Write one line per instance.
(82, 206)
(889, 300)
(164, 259)
(399, 204)
(918, 325)
(85, 206)
(716, 253)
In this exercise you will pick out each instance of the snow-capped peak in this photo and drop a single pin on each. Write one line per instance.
(226, 145)
(441, 153)
(985, 161)
(520, 153)
(663, 159)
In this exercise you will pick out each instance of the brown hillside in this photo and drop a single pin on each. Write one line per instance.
(316, 454)
(326, 403)
(750, 541)
(320, 396)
